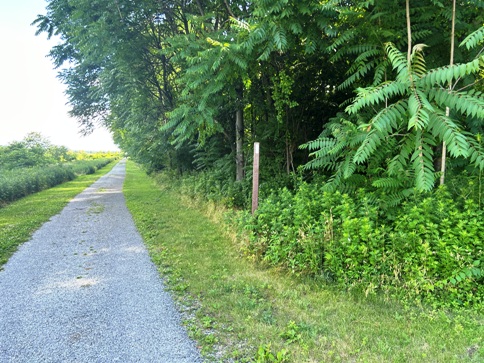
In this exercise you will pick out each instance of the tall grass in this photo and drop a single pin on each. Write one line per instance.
(18, 220)
(18, 183)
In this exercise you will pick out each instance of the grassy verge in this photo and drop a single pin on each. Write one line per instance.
(239, 311)
(20, 219)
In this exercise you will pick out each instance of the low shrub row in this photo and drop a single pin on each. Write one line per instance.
(429, 249)
(18, 183)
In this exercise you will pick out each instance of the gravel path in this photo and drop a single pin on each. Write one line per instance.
(83, 289)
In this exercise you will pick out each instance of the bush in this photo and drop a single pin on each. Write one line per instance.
(430, 249)
(217, 184)
(86, 167)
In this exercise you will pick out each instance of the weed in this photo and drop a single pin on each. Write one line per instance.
(265, 355)
(291, 333)
(96, 208)
(207, 322)
(428, 250)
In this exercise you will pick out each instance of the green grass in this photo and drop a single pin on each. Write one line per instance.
(240, 311)
(20, 219)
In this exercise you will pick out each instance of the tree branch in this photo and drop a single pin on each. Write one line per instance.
(119, 10)
(409, 32)
(200, 8)
(228, 9)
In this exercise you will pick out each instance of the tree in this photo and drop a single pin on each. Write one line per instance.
(398, 123)
(172, 78)
(115, 70)
(33, 150)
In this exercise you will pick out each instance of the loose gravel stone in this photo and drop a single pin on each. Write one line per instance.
(84, 289)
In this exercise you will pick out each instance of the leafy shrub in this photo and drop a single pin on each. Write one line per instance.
(426, 249)
(429, 249)
(86, 167)
(266, 355)
(217, 184)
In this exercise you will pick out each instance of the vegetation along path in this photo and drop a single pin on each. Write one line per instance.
(83, 289)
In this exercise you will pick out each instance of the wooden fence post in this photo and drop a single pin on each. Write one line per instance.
(255, 178)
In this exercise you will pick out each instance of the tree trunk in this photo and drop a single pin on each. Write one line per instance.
(447, 110)
(239, 136)
(409, 33)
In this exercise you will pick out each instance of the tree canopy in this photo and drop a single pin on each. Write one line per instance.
(33, 150)
(190, 84)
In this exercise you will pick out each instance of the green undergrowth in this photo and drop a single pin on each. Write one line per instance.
(241, 311)
(19, 220)
(429, 249)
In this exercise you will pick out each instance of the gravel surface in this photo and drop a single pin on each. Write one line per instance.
(83, 289)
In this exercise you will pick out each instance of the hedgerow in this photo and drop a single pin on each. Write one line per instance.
(20, 182)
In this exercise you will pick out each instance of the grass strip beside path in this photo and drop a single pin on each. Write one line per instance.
(20, 219)
(241, 312)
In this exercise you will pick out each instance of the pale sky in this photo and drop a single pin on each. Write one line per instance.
(31, 97)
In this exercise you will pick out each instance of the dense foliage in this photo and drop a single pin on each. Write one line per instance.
(34, 164)
(429, 249)
(369, 102)
(185, 84)
(33, 150)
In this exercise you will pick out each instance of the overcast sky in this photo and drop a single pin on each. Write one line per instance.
(31, 97)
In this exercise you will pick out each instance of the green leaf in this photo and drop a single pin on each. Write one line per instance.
(448, 74)
(473, 39)
(397, 58)
(372, 96)
(466, 103)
